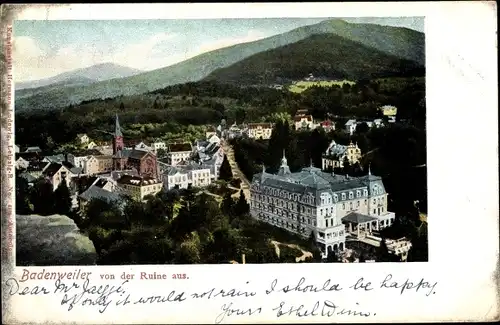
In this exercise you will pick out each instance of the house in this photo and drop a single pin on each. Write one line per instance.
(59, 158)
(96, 192)
(336, 154)
(304, 122)
(91, 145)
(82, 138)
(214, 139)
(178, 152)
(259, 131)
(23, 159)
(327, 125)
(33, 149)
(378, 122)
(58, 173)
(184, 176)
(99, 164)
(143, 146)
(36, 168)
(389, 110)
(350, 126)
(79, 158)
(323, 205)
(17, 149)
(21, 163)
(158, 144)
(139, 187)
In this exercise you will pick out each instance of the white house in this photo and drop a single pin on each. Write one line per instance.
(21, 163)
(188, 175)
(142, 146)
(82, 138)
(156, 145)
(179, 152)
(139, 187)
(260, 130)
(61, 172)
(214, 139)
(91, 145)
(304, 122)
(350, 126)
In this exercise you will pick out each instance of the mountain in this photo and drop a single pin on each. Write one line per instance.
(324, 55)
(98, 72)
(400, 42)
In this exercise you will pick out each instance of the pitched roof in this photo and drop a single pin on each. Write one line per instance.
(135, 153)
(28, 177)
(177, 147)
(358, 218)
(117, 174)
(72, 168)
(59, 158)
(28, 155)
(52, 169)
(95, 192)
(33, 149)
(301, 117)
(86, 152)
(35, 166)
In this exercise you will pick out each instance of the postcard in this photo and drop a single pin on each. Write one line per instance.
(249, 163)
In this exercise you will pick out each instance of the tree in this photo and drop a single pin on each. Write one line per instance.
(332, 257)
(225, 172)
(43, 197)
(62, 199)
(227, 204)
(22, 196)
(160, 153)
(242, 207)
(362, 128)
(383, 254)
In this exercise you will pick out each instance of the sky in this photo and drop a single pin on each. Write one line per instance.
(45, 48)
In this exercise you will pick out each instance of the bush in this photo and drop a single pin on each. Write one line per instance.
(235, 182)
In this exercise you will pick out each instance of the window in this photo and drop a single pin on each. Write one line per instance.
(358, 193)
(350, 205)
(343, 206)
(374, 211)
(374, 201)
(343, 196)
(351, 195)
(357, 204)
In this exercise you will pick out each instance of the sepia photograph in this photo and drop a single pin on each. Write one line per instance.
(220, 141)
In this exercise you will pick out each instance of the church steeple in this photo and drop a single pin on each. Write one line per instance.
(284, 162)
(369, 169)
(284, 169)
(118, 130)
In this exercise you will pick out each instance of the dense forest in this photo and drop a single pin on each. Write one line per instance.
(326, 55)
(176, 107)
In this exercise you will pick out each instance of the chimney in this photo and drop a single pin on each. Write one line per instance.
(243, 258)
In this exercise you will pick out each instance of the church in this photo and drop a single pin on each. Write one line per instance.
(125, 159)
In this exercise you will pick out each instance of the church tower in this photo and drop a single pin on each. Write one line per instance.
(118, 137)
(284, 169)
(118, 159)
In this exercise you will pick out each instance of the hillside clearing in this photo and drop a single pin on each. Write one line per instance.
(301, 86)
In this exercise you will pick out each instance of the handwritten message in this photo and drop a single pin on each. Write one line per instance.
(77, 289)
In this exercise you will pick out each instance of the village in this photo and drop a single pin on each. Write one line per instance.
(136, 169)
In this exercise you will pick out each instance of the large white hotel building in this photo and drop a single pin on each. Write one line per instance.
(332, 206)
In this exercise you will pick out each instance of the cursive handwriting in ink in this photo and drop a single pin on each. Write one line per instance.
(361, 285)
(228, 310)
(103, 295)
(172, 297)
(15, 288)
(408, 285)
(300, 287)
(233, 293)
(325, 308)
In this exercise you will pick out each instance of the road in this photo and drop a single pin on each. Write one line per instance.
(245, 184)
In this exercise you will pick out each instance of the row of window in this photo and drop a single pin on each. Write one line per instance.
(283, 224)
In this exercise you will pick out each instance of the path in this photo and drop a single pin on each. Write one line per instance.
(245, 184)
(305, 254)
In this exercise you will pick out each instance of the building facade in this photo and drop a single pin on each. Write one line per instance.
(314, 202)
(179, 152)
(259, 131)
(336, 154)
(139, 187)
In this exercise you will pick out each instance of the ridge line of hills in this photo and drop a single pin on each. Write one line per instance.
(402, 43)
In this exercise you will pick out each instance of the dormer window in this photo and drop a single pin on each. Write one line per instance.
(358, 193)
(343, 196)
(365, 192)
(351, 195)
